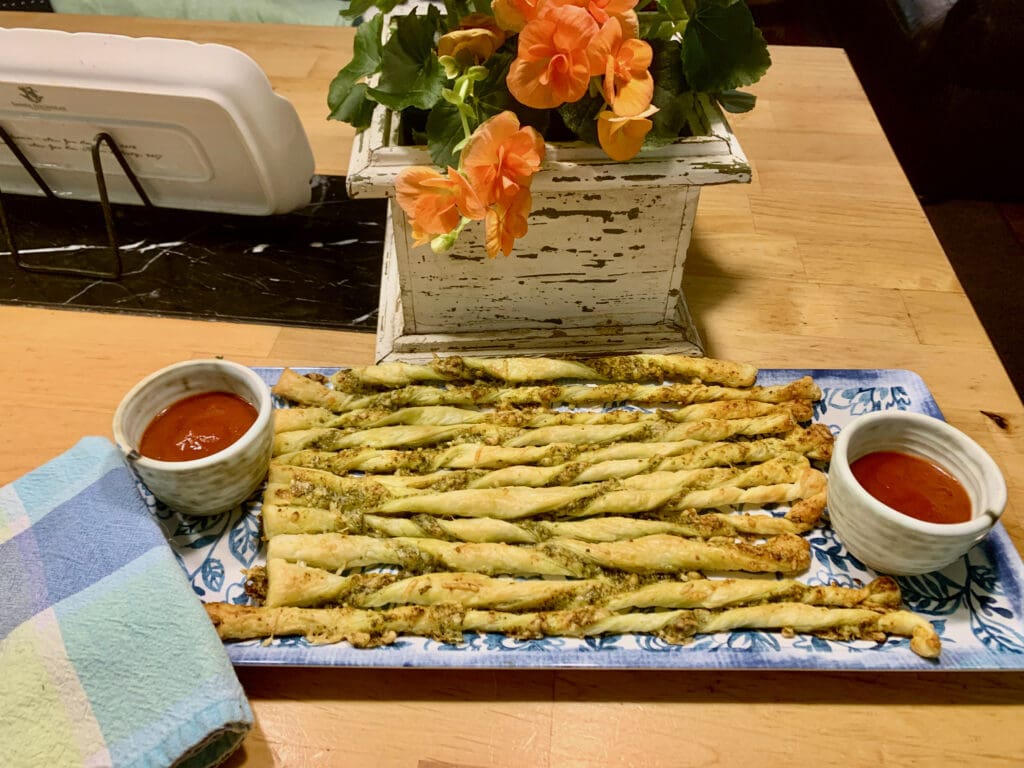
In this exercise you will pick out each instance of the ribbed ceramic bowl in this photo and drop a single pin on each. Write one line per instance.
(213, 484)
(893, 543)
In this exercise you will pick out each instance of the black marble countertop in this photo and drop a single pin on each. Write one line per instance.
(316, 267)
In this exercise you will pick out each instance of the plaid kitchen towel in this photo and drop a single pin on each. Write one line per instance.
(107, 657)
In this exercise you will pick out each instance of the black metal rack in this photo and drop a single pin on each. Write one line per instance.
(112, 254)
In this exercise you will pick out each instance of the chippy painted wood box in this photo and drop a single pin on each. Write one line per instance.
(598, 271)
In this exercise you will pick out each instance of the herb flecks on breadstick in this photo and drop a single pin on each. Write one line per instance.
(448, 623)
(802, 517)
(657, 553)
(522, 370)
(421, 435)
(291, 419)
(305, 391)
(815, 443)
(300, 585)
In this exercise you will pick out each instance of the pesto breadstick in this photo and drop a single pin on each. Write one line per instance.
(815, 443)
(416, 436)
(699, 489)
(558, 557)
(289, 419)
(802, 517)
(520, 370)
(645, 474)
(305, 391)
(299, 585)
(447, 623)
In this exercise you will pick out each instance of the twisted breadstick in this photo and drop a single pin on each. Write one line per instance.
(802, 517)
(290, 419)
(295, 584)
(696, 489)
(306, 391)
(644, 475)
(420, 435)
(558, 557)
(815, 443)
(448, 623)
(518, 370)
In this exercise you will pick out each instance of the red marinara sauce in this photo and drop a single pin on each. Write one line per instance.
(914, 486)
(197, 426)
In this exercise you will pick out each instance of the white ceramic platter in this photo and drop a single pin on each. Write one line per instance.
(975, 604)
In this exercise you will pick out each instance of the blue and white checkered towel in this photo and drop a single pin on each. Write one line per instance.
(106, 655)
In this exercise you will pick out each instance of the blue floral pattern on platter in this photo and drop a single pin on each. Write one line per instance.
(975, 604)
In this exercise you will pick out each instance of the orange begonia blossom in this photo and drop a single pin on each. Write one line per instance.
(628, 85)
(475, 41)
(435, 204)
(469, 46)
(602, 10)
(513, 15)
(559, 51)
(501, 157)
(506, 222)
(622, 137)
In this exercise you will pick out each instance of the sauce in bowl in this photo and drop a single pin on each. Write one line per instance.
(913, 486)
(197, 426)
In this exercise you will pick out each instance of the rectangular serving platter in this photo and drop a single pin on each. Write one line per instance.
(975, 604)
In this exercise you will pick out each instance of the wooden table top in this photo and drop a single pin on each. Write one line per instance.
(826, 260)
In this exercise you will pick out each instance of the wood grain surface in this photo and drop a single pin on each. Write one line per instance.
(825, 260)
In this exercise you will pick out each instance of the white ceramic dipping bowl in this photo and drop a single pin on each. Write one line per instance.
(893, 543)
(214, 483)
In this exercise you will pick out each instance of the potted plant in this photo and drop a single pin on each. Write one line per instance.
(544, 160)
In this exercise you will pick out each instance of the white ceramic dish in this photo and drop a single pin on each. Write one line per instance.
(199, 124)
(213, 484)
(894, 543)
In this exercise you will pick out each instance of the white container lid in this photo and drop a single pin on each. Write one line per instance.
(199, 124)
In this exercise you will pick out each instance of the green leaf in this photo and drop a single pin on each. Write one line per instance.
(580, 117)
(674, 9)
(343, 94)
(672, 95)
(722, 47)
(736, 101)
(459, 9)
(355, 109)
(491, 95)
(444, 133)
(410, 74)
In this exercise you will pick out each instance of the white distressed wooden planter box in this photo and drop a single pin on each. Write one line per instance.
(598, 271)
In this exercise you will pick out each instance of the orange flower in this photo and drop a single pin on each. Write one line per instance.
(501, 157)
(435, 204)
(628, 85)
(506, 222)
(559, 51)
(513, 15)
(622, 137)
(475, 41)
(602, 10)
